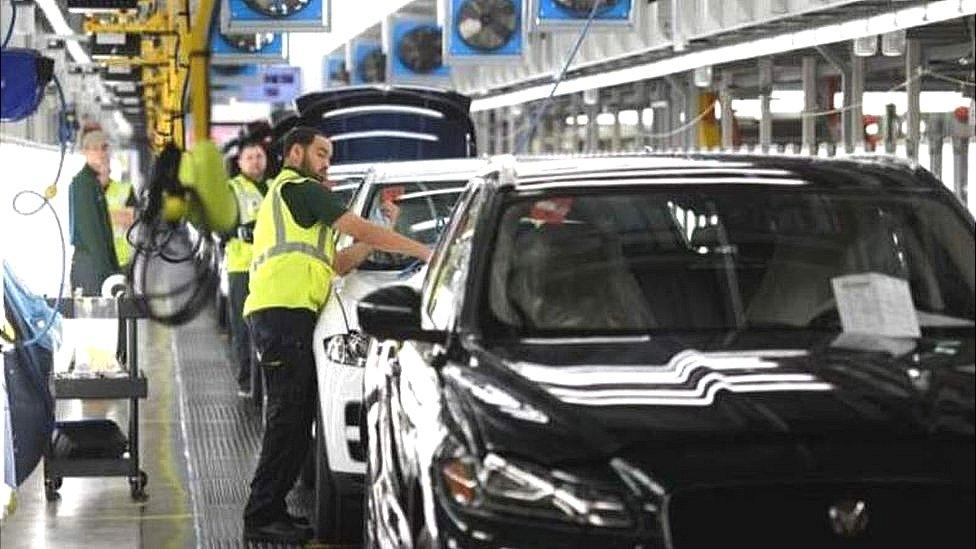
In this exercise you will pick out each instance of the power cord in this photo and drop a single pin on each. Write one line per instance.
(49, 193)
(527, 136)
(10, 30)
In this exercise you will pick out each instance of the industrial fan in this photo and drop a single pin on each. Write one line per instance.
(275, 15)
(487, 25)
(249, 43)
(485, 31)
(582, 8)
(574, 13)
(372, 66)
(277, 8)
(419, 49)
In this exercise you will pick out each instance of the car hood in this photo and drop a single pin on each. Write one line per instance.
(795, 404)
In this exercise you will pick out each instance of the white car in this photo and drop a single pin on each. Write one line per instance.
(347, 179)
(425, 192)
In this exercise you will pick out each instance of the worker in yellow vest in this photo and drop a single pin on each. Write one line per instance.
(291, 276)
(249, 188)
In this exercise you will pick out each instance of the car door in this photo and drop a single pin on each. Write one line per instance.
(414, 396)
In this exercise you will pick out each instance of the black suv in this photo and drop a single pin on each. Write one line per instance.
(693, 351)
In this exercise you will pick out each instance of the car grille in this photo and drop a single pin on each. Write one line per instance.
(898, 515)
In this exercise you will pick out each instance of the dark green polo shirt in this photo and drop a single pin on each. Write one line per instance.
(91, 228)
(310, 203)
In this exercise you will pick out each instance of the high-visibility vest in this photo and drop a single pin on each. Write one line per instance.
(238, 252)
(292, 265)
(116, 195)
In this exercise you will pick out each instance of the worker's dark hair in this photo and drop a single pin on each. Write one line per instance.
(251, 142)
(299, 135)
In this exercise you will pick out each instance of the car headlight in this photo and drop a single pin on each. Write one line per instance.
(520, 488)
(348, 349)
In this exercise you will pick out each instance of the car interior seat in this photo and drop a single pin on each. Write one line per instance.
(573, 276)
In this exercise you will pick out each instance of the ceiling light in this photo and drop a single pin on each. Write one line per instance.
(932, 12)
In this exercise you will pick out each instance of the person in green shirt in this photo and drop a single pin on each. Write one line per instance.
(94, 257)
(290, 279)
(249, 189)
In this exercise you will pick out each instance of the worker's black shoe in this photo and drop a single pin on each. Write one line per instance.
(279, 531)
(302, 524)
(299, 521)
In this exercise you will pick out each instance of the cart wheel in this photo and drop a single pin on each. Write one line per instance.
(137, 486)
(51, 486)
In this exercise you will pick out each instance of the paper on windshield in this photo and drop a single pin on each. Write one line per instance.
(877, 304)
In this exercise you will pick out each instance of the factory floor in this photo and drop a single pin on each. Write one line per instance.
(199, 444)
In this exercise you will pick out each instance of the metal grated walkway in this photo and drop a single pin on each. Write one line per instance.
(222, 434)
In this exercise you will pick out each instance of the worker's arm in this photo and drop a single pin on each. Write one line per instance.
(379, 237)
(351, 257)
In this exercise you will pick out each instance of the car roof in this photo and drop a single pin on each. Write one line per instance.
(428, 170)
(676, 168)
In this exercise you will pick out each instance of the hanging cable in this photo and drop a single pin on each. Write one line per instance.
(530, 131)
(49, 193)
(10, 30)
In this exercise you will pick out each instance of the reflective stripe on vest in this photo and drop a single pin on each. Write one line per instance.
(116, 195)
(238, 252)
(282, 246)
(292, 267)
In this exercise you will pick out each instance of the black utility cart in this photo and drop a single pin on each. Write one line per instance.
(97, 447)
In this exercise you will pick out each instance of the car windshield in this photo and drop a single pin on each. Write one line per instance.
(713, 257)
(421, 211)
(346, 188)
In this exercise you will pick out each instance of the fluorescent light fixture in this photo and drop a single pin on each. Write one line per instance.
(383, 133)
(376, 109)
(629, 118)
(239, 112)
(60, 26)
(932, 12)
(605, 119)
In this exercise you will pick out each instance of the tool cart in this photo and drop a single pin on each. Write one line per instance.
(97, 447)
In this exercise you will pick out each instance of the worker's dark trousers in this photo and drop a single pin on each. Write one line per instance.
(239, 336)
(283, 342)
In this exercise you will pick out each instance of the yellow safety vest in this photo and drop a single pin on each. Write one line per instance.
(116, 195)
(238, 252)
(292, 266)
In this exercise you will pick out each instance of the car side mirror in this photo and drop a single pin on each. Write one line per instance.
(393, 312)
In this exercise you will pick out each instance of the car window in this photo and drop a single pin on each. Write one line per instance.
(346, 188)
(421, 211)
(447, 285)
(713, 257)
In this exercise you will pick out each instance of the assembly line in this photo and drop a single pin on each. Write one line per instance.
(488, 273)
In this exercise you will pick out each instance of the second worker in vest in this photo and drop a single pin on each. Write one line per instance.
(291, 276)
(249, 188)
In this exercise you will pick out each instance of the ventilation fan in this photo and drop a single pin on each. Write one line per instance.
(574, 13)
(230, 48)
(582, 8)
(416, 52)
(371, 68)
(275, 15)
(485, 30)
(249, 43)
(277, 8)
(420, 49)
(487, 25)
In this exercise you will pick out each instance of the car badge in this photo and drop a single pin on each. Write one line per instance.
(848, 517)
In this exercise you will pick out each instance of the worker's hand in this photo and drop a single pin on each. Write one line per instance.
(102, 170)
(390, 211)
